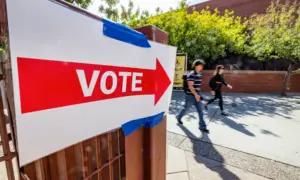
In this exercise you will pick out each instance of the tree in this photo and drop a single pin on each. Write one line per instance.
(276, 35)
(158, 11)
(110, 9)
(81, 3)
(137, 20)
(3, 41)
(205, 34)
(132, 15)
(2, 49)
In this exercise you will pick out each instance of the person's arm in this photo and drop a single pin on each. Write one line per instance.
(193, 90)
(226, 84)
(223, 81)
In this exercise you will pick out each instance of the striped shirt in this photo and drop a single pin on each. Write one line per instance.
(197, 79)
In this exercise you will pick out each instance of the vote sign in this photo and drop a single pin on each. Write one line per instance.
(75, 83)
(72, 82)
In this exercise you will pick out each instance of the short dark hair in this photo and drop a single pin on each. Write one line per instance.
(198, 62)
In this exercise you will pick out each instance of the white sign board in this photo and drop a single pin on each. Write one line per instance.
(72, 83)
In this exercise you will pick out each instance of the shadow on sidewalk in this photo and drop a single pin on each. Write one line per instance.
(234, 125)
(177, 106)
(241, 105)
(262, 105)
(207, 150)
(248, 104)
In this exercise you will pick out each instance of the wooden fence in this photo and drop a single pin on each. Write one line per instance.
(99, 158)
(8, 153)
(7, 150)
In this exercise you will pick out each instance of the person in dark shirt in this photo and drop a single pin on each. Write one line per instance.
(216, 84)
(192, 97)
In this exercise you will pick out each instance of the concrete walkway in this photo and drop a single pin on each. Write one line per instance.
(262, 128)
(184, 165)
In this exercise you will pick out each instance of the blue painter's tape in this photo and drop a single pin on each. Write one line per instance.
(148, 122)
(154, 120)
(124, 34)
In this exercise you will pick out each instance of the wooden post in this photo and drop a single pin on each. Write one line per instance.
(146, 148)
(155, 138)
(134, 155)
(155, 152)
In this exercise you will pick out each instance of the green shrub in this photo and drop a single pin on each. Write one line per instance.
(205, 34)
(276, 34)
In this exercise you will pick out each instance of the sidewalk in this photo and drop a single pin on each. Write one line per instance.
(183, 165)
(260, 136)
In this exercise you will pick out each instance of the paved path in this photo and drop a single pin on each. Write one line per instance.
(265, 126)
(184, 165)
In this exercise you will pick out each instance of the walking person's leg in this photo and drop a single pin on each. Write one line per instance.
(189, 100)
(220, 97)
(202, 124)
(210, 101)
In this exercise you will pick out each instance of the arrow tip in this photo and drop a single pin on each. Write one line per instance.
(162, 81)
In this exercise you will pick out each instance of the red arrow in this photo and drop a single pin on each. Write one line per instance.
(46, 84)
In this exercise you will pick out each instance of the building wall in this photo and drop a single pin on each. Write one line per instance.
(255, 81)
(243, 8)
(295, 83)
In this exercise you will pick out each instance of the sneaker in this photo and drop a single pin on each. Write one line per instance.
(224, 114)
(205, 130)
(206, 107)
(179, 121)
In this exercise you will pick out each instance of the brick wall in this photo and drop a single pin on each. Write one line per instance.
(295, 83)
(243, 8)
(255, 81)
(155, 34)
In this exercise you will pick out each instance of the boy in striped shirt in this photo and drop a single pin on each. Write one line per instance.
(192, 97)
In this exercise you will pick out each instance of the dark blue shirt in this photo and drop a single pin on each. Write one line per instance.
(197, 79)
